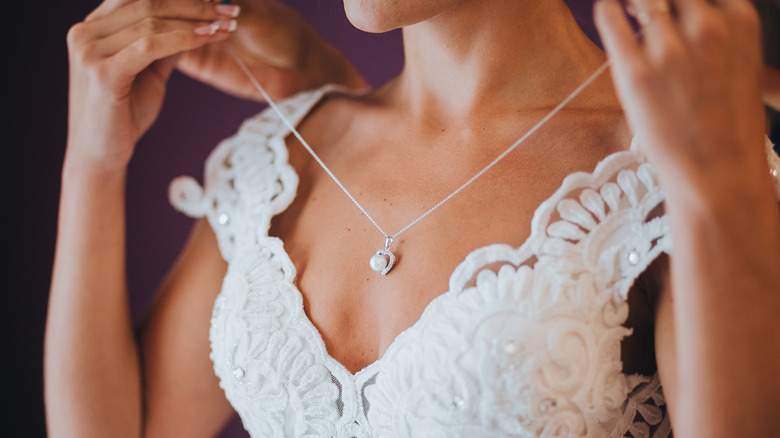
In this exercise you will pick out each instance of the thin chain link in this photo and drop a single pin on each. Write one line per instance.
(319, 161)
(292, 129)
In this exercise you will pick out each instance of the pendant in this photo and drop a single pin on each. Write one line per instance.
(383, 260)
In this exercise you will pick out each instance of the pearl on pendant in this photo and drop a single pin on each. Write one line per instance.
(378, 262)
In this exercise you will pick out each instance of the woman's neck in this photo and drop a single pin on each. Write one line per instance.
(493, 56)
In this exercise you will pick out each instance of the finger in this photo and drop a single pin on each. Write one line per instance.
(109, 6)
(744, 22)
(656, 20)
(617, 35)
(660, 33)
(693, 16)
(647, 11)
(106, 8)
(150, 26)
(729, 32)
(133, 59)
(140, 10)
(629, 64)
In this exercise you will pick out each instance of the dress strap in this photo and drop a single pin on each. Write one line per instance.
(247, 177)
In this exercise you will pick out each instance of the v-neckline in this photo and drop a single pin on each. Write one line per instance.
(513, 252)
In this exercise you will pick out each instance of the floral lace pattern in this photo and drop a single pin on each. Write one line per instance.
(525, 343)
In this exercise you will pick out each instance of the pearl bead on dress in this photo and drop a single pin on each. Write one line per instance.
(458, 402)
(633, 257)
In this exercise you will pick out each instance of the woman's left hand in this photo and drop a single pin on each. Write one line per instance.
(691, 88)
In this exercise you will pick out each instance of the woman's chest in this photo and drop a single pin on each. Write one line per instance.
(330, 240)
(523, 333)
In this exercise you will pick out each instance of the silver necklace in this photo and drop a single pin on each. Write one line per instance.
(384, 259)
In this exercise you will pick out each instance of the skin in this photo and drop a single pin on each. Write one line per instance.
(772, 88)
(723, 216)
(120, 59)
(452, 111)
(278, 46)
(691, 93)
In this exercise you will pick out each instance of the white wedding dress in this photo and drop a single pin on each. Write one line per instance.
(532, 350)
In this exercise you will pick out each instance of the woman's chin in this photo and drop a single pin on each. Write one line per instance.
(377, 16)
(367, 18)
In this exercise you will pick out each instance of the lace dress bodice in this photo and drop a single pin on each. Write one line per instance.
(526, 342)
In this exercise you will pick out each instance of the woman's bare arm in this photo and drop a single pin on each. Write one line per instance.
(772, 87)
(182, 395)
(98, 382)
(692, 92)
(91, 366)
(120, 59)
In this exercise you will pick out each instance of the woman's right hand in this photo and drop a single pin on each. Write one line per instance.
(281, 50)
(121, 57)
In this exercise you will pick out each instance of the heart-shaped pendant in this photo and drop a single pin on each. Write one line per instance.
(383, 260)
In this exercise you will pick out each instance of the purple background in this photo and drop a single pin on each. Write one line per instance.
(193, 120)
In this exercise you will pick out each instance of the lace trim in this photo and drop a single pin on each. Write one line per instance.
(247, 177)
(544, 330)
(532, 349)
(644, 413)
(596, 221)
(774, 165)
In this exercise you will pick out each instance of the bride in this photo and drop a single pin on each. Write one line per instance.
(610, 265)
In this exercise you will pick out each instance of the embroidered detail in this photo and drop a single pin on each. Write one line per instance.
(644, 413)
(525, 343)
(242, 207)
(774, 165)
(534, 349)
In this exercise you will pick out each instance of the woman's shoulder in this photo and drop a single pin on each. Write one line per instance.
(247, 177)
(278, 118)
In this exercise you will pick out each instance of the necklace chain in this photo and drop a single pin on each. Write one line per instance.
(389, 237)
(384, 259)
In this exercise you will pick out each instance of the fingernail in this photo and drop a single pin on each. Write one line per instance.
(226, 26)
(211, 29)
(230, 10)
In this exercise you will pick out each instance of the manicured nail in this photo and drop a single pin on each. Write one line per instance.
(230, 10)
(211, 29)
(226, 26)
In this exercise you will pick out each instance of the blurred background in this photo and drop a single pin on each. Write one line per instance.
(193, 120)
